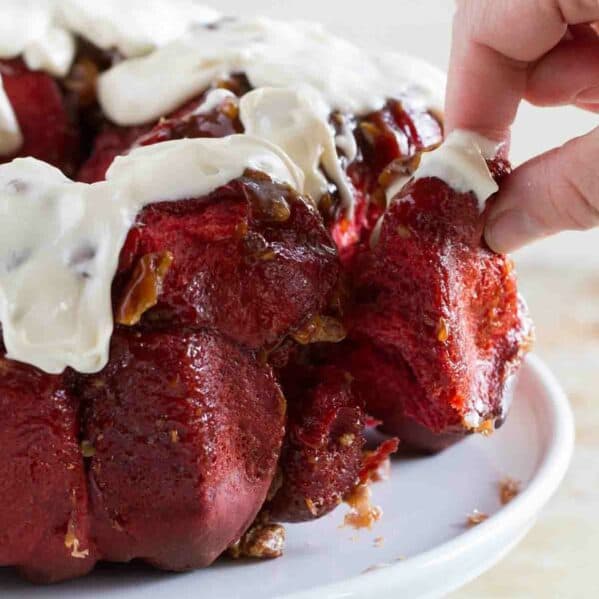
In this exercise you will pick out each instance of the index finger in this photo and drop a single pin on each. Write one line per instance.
(494, 43)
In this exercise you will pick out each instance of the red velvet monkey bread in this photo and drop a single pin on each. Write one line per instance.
(226, 248)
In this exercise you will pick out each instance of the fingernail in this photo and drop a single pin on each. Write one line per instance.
(510, 230)
(588, 96)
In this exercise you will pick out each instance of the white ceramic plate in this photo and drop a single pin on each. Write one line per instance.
(426, 549)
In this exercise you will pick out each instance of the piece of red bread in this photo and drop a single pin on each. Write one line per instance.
(388, 143)
(252, 261)
(442, 313)
(185, 122)
(45, 520)
(49, 130)
(322, 454)
(186, 431)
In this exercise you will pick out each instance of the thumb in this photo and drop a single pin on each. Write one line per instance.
(553, 192)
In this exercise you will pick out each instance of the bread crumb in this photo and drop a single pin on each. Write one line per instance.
(486, 429)
(382, 473)
(379, 541)
(321, 329)
(403, 232)
(261, 541)
(375, 567)
(508, 489)
(311, 506)
(476, 517)
(362, 513)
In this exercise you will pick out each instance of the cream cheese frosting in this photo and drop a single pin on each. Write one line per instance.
(30, 28)
(297, 122)
(301, 74)
(272, 54)
(43, 33)
(133, 27)
(43, 30)
(460, 161)
(61, 240)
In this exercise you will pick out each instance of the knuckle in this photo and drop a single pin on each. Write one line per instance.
(582, 180)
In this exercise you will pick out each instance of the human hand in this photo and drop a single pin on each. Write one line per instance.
(547, 52)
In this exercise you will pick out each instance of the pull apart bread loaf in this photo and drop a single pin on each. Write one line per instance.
(226, 247)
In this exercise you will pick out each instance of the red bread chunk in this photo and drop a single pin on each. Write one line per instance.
(44, 523)
(398, 131)
(49, 131)
(109, 143)
(446, 310)
(186, 431)
(252, 260)
(382, 379)
(388, 141)
(322, 455)
(186, 122)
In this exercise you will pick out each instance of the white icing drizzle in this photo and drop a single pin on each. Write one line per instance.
(134, 27)
(346, 140)
(29, 25)
(315, 72)
(375, 236)
(170, 62)
(460, 161)
(43, 31)
(61, 240)
(272, 54)
(297, 122)
(10, 132)
(52, 52)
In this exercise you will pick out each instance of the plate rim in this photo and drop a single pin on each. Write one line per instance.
(521, 512)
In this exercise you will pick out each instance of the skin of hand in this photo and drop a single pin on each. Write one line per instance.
(545, 52)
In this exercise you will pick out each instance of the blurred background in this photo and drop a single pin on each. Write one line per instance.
(559, 278)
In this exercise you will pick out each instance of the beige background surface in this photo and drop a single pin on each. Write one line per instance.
(558, 559)
(560, 279)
